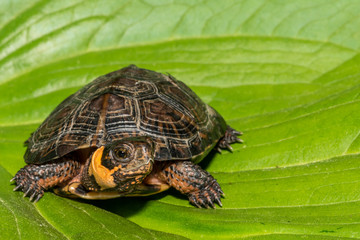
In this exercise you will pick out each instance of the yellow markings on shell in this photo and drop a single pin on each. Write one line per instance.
(102, 174)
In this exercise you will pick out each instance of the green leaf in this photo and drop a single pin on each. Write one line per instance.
(286, 73)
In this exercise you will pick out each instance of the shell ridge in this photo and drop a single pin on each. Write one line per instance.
(138, 102)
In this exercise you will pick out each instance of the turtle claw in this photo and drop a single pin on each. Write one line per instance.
(207, 196)
(239, 140)
(27, 192)
(34, 191)
(218, 201)
(38, 197)
(17, 187)
(229, 147)
(210, 202)
(32, 196)
(237, 132)
(27, 184)
(231, 136)
(195, 203)
(37, 194)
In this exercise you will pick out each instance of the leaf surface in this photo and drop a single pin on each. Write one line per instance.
(284, 73)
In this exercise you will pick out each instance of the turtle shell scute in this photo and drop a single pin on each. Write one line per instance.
(130, 102)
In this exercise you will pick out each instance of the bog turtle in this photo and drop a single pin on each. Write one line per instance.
(131, 132)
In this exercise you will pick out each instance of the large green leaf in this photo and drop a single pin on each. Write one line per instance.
(286, 73)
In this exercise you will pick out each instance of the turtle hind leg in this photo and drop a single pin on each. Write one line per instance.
(33, 179)
(231, 136)
(190, 179)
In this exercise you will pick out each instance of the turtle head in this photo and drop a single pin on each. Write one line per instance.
(121, 165)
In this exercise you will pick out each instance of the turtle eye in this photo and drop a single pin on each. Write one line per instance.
(121, 153)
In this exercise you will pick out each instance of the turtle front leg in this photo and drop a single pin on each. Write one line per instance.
(33, 179)
(190, 179)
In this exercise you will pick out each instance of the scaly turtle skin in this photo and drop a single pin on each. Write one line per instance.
(131, 132)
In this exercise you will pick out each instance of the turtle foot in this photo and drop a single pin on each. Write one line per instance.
(231, 136)
(208, 196)
(26, 183)
(201, 188)
(33, 179)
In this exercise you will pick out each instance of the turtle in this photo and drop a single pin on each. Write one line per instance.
(131, 132)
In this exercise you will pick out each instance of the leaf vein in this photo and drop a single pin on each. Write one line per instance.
(96, 220)
(14, 215)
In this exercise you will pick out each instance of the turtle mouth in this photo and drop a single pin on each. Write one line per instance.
(127, 187)
(127, 181)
